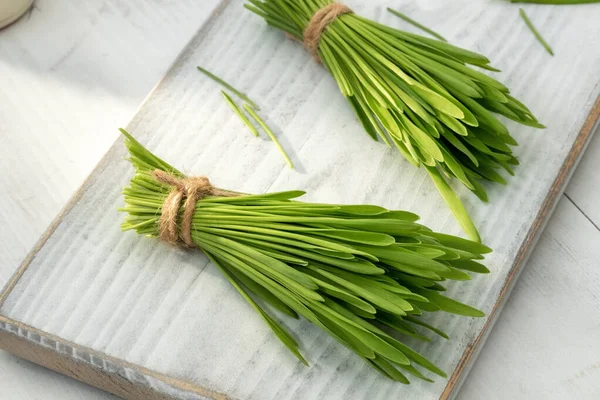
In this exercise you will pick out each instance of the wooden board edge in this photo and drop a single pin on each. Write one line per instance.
(100, 370)
(12, 282)
(551, 201)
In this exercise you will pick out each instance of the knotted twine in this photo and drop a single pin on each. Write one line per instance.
(319, 23)
(186, 190)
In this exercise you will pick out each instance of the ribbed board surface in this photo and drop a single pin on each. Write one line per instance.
(172, 312)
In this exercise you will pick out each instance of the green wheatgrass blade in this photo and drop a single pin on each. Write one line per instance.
(270, 133)
(535, 32)
(348, 269)
(456, 206)
(419, 94)
(279, 331)
(449, 305)
(240, 113)
(415, 23)
(228, 86)
(417, 321)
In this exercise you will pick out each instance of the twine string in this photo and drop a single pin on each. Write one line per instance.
(186, 191)
(318, 25)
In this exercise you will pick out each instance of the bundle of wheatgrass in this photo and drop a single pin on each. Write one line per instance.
(416, 93)
(358, 272)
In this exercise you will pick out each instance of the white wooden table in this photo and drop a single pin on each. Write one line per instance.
(74, 70)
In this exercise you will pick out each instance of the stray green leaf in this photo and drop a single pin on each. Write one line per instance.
(535, 32)
(415, 23)
(240, 113)
(228, 86)
(270, 133)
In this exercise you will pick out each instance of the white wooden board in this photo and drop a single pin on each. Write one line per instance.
(146, 305)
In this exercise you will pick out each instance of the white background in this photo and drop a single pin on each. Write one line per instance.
(74, 70)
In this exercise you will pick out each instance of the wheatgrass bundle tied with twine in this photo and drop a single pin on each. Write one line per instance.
(365, 275)
(415, 93)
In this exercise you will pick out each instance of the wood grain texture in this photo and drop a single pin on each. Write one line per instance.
(327, 189)
(545, 344)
